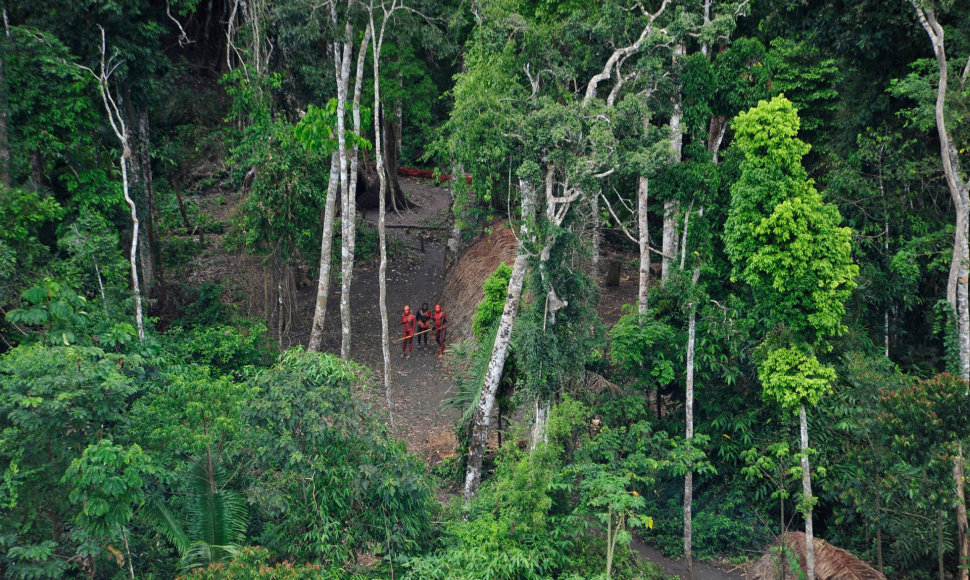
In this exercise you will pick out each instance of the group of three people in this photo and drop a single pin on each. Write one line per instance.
(422, 323)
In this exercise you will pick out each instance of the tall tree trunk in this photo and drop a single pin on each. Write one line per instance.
(326, 248)
(349, 220)
(486, 400)
(542, 408)
(689, 431)
(347, 209)
(117, 121)
(957, 284)
(392, 155)
(879, 565)
(962, 539)
(807, 496)
(672, 207)
(36, 169)
(643, 195)
(940, 551)
(378, 42)
(136, 287)
(153, 280)
(453, 245)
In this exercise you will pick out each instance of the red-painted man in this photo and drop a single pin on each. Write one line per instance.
(440, 328)
(408, 321)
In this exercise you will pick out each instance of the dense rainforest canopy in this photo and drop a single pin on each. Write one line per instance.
(782, 185)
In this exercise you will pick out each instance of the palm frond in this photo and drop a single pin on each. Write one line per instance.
(217, 515)
(469, 384)
(157, 515)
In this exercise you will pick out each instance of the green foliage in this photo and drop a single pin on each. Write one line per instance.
(800, 72)
(786, 245)
(179, 251)
(96, 261)
(316, 129)
(50, 114)
(108, 484)
(929, 414)
(229, 349)
(22, 255)
(607, 497)
(55, 402)
(188, 412)
(637, 345)
(55, 309)
(281, 211)
(792, 377)
(489, 310)
(528, 520)
(741, 76)
(205, 307)
(328, 478)
(216, 516)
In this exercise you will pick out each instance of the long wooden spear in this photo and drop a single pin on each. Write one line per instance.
(413, 335)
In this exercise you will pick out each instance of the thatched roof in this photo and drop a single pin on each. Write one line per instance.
(464, 280)
(831, 563)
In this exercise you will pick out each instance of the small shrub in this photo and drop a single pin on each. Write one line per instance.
(223, 347)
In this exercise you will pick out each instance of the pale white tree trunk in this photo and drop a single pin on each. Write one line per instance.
(957, 286)
(326, 247)
(689, 432)
(347, 209)
(963, 540)
(683, 236)
(378, 42)
(807, 496)
(542, 407)
(957, 291)
(486, 401)
(117, 121)
(671, 207)
(132, 255)
(643, 198)
(670, 240)
(453, 245)
(349, 189)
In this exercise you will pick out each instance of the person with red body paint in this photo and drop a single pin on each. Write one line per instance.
(440, 328)
(408, 321)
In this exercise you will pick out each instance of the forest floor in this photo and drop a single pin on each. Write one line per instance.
(421, 383)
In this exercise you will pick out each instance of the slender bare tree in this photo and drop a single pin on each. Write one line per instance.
(957, 285)
(377, 45)
(326, 247)
(106, 68)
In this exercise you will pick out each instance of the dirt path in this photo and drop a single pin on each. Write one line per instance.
(676, 568)
(421, 383)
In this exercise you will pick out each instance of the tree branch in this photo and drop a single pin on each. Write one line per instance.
(621, 53)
